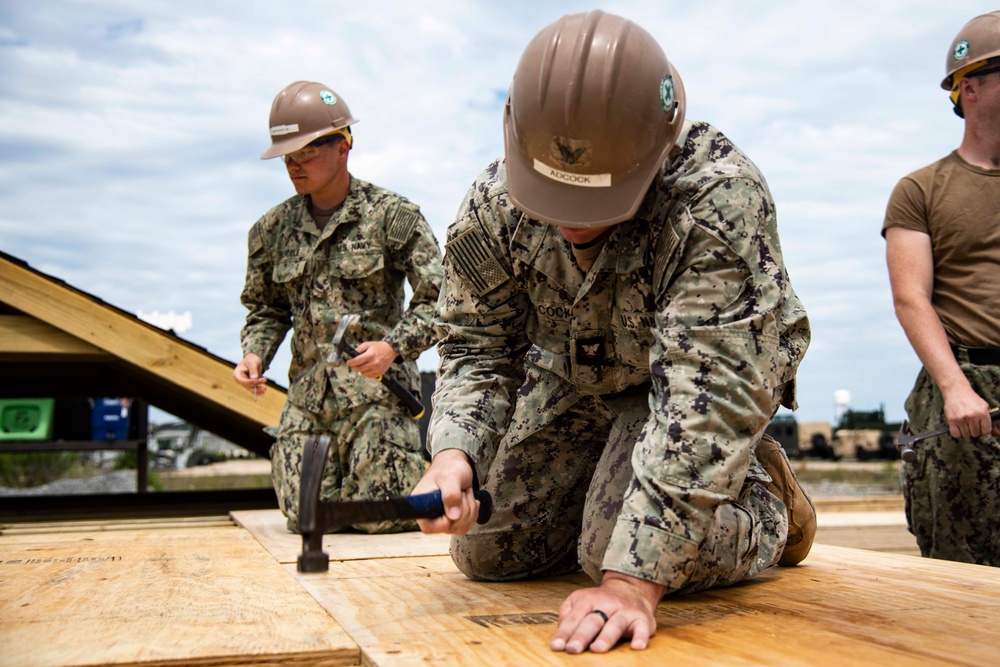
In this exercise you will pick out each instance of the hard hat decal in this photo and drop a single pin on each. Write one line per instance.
(581, 180)
(961, 50)
(667, 93)
(328, 97)
(571, 152)
(279, 130)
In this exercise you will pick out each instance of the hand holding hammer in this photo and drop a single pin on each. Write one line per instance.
(413, 405)
(905, 440)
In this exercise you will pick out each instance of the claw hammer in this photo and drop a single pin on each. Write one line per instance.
(905, 440)
(411, 402)
(318, 516)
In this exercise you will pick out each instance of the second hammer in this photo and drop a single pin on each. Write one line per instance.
(413, 405)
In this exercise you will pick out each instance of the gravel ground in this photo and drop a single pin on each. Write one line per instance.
(119, 481)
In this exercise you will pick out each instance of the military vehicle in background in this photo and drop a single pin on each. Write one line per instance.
(866, 436)
(861, 435)
(801, 441)
(177, 445)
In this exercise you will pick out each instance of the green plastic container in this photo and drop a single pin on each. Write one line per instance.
(26, 418)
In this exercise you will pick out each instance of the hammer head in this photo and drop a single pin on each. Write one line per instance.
(313, 558)
(905, 441)
(346, 322)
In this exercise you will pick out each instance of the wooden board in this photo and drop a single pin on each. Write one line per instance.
(203, 595)
(268, 526)
(117, 333)
(841, 607)
(60, 527)
(859, 504)
(26, 335)
(876, 531)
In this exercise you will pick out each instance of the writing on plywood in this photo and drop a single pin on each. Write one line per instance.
(506, 620)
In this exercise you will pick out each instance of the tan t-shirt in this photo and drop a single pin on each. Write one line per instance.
(958, 205)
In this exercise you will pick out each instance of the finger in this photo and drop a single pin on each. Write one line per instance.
(443, 524)
(570, 615)
(586, 631)
(432, 526)
(452, 497)
(470, 512)
(611, 632)
(984, 425)
(641, 632)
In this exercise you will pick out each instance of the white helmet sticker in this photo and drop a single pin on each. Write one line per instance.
(328, 97)
(667, 93)
(279, 130)
(961, 50)
(581, 180)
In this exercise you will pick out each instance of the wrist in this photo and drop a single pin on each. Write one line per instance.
(650, 591)
(452, 454)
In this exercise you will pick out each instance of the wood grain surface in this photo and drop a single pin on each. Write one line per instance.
(202, 595)
(269, 527)
(840, 607)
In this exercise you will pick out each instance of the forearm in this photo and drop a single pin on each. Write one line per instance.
(473, 400)
(415, 332)
(929, 340)
(263, 333)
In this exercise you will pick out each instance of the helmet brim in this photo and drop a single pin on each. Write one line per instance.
(564, 205)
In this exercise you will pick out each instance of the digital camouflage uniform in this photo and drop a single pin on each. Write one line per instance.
(299, 276)
(952, 490)
(613, 414)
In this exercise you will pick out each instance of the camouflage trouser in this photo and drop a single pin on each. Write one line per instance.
(558, 483)
(952, 491)
(375, 452)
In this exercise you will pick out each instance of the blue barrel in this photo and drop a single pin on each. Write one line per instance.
(109, 419)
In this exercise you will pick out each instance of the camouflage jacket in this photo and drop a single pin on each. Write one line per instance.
(300, 276)
(691, 296)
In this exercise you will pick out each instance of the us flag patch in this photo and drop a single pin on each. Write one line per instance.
(474, 261)
(402, 225)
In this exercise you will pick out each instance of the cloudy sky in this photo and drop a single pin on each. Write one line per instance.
(130, 134)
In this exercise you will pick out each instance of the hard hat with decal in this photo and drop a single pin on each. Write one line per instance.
(303, 112)
(976, 46)
(591, 116)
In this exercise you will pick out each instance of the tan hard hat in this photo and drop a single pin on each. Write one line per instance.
(303, 112)
(976, 42)
(592, 113)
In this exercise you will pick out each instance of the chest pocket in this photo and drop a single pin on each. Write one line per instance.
(288, 275)
(355, 279)
(633, 336)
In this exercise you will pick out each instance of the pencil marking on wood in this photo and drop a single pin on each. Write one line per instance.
(506, 620)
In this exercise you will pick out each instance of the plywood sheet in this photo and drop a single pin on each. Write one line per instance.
(185, 596)
(59, 527)
(876, 531)
(268, 526)
(841, 607)
(887, 503)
